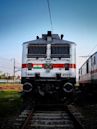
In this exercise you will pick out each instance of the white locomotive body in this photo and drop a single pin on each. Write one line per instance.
(49, 64)
(88, 73)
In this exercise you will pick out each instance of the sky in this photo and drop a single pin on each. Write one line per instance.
(23, 20)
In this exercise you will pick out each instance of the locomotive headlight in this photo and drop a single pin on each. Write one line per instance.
(68, 87)
(27, 87)
(29, 66)
(66, 66)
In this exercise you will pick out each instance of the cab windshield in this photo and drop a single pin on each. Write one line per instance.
(36, 51)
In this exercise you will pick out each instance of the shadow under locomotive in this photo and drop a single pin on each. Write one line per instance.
(49, 89)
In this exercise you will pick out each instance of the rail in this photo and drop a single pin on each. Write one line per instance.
(61, 117)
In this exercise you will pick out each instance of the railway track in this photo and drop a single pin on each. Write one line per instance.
(49, 117)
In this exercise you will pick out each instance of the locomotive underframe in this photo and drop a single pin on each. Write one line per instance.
(49, 86)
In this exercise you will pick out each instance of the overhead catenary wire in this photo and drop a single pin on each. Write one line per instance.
(50, 16)
(90, 53)
(92, 49)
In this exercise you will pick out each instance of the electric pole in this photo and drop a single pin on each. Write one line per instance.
(13, 60)
(13, 69)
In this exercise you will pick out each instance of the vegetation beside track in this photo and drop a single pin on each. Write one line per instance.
(10, 106)
(10, 103)
(10, 99)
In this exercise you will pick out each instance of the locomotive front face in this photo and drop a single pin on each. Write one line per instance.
(49, 64)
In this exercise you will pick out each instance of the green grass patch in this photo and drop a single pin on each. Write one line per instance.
(10, 103)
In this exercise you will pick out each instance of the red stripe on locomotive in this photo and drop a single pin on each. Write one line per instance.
(54, 65)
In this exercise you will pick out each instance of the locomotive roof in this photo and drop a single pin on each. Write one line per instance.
(88, 59)
(55, 40)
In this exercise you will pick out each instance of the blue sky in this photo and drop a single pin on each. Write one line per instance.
(22, 20)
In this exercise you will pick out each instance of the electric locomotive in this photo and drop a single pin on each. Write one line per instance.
(49, 65)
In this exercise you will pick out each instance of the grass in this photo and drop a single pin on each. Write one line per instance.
(10, 103)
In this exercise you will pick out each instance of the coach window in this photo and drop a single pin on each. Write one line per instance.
(87, 67)
(81, 71)
(94, 60)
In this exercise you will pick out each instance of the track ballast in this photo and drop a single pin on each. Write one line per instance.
(48, 117)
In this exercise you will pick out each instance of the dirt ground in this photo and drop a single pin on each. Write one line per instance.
(14, 87)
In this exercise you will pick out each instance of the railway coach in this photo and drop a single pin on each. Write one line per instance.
(49, 65)
(88, 74)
